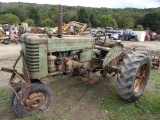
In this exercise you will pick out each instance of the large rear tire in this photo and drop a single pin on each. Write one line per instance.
(38, 99)
(133, 75)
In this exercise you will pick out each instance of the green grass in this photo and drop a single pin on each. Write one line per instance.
(4, 100)
(145, 108)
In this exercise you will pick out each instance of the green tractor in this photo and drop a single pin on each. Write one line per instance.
(45, 56)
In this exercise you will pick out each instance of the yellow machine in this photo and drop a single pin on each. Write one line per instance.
(74, 28)
(3, 37)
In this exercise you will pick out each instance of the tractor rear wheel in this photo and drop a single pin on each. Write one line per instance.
(38, 99)
(133, 75)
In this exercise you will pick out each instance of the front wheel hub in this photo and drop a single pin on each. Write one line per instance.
(34, 101)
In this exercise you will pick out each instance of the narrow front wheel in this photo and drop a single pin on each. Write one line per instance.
(38, 99)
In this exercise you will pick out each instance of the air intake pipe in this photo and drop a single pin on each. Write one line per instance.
(60, 21)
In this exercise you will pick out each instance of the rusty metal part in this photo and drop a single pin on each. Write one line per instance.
(7, 70)
(112, 67)
(20, 85)
(25, 83)
(120, 58)
(34, 101)
(141, 75)
(60, 21)
(155, 62)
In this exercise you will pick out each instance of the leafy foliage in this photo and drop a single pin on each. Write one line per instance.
(124, 18)
(140, 27)
(47, 23)
(30, 22)
(15, 11)
(34, 14)
(152, 20)
(107, 21)
(9, 18)
(83, 15)
(93, 20)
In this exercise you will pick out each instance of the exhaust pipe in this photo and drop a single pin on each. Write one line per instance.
(60, 21)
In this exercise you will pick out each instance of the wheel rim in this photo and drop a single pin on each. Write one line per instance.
(140, 79)
(34, 101)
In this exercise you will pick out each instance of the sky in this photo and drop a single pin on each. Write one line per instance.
(97, 3)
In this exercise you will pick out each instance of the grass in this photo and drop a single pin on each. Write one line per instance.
(145, 108)
(4, 100)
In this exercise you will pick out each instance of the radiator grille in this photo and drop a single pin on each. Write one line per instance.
(32, 57)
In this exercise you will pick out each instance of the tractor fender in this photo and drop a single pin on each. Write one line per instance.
(112, 54)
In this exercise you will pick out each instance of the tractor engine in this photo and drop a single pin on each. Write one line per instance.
(60, 64)
(48, 56)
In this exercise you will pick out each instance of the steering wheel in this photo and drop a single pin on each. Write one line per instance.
(100, 38)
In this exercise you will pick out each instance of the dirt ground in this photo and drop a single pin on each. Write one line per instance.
(72, 99)
(150, 46)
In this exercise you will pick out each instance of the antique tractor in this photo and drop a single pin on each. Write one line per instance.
(44, 56)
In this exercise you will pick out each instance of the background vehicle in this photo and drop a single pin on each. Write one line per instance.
(129, 35)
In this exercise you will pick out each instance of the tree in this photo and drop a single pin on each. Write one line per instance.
(83, 16)
(107, 20)
(140, 27)
(52, 14)
(74, 18)
(128, 22)
(152, 21)
(9, 18)
(93, 20)
(16, 11)
(30, 22)
(34, 14)
(48, 23)
(66, 18)
(125, 20)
